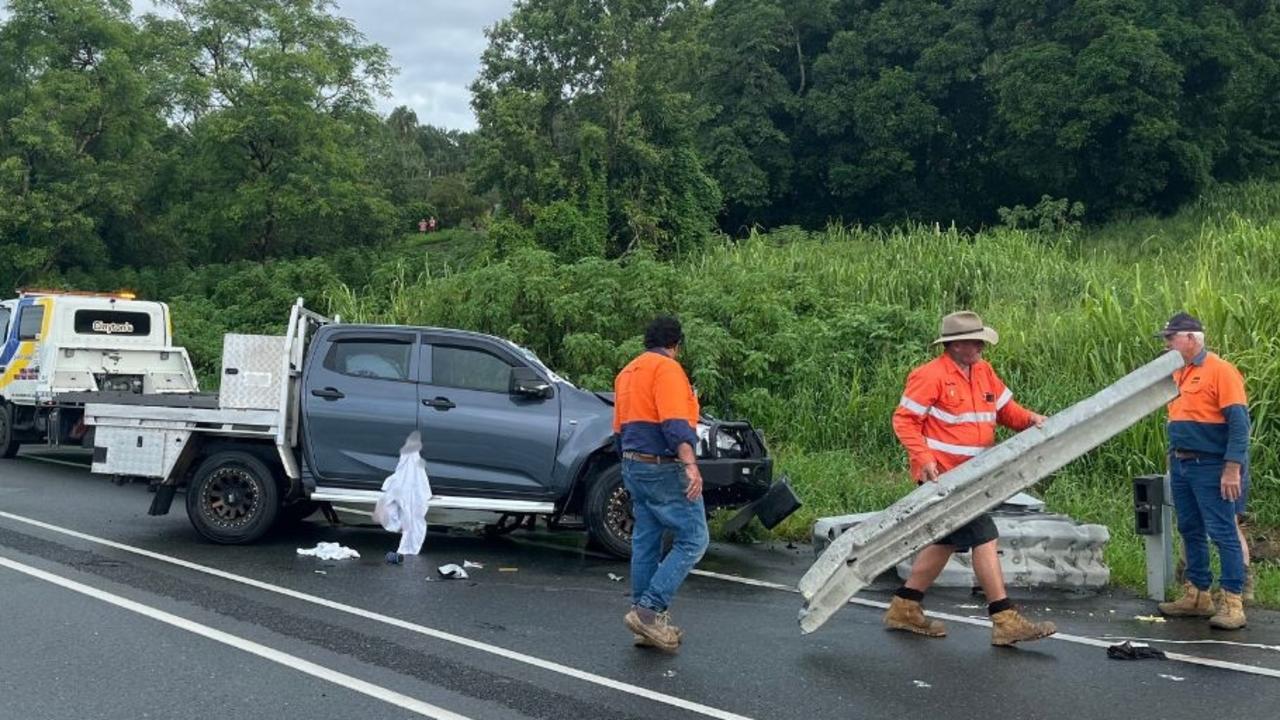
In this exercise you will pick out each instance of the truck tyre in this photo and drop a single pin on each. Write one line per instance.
(8, 436)
(607, 512)
(233, 498)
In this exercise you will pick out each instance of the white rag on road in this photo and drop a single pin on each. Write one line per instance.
(329, 551)
(406, 493)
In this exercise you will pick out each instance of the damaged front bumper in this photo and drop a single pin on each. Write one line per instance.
(738, 472)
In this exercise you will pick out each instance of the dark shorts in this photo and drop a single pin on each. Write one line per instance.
(980, 531)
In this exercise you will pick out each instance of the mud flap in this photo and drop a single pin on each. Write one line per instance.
(772, 508)
(163, 499)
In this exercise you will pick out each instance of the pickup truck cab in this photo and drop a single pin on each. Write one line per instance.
(59, 348)
(320, 416)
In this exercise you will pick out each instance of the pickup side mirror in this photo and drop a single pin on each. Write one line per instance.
(526, 383)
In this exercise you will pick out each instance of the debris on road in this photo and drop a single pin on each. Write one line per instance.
(452, 571)
(508, 569)
(615, 577)
(320, 572)
(669, 673)
(1148, 618)
(394, 558)
(1174, 678)
(469, 564)
(329, 551)
(921, 684)
(1134, 651)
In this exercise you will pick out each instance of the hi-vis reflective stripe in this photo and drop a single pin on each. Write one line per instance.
(973, 417)
(1004, 399)
(967, 450)
(946, 417)
(912, 405)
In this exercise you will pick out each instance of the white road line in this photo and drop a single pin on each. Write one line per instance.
(1232, 643)
(1066, 637)
(291, 661)
(537, 662)
(979, 623)
(961, 619)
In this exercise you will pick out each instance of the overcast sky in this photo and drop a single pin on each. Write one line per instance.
(436, 44)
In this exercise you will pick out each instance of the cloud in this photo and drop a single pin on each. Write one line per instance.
(436, 44)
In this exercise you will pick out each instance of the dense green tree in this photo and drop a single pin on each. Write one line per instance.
(583, 102)
(80, 108)
(277, 104)
(757, 67)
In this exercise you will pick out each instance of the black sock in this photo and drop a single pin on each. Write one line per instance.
(907, 593)
(999, 606)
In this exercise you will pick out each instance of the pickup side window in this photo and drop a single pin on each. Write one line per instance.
(469, 369)
(368, 358)
(29, 322)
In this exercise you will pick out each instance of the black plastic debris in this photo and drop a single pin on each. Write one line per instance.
(1134, 651)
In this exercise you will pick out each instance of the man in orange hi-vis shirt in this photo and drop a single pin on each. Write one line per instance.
(655, 416)
(1208, 473)
(947, 415)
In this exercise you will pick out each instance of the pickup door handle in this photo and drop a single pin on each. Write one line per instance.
(329, 393)
(440, 403)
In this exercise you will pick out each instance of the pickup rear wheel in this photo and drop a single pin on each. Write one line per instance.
(233, 498)
(607, 512)
(8, 436)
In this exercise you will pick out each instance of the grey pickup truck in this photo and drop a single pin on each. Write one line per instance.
(319, 415)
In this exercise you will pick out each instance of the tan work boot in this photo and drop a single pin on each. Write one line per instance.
(908, 615)
(1009, 627)
(1193, 603)
(663, 617)
(657, 632)
(1230, 614)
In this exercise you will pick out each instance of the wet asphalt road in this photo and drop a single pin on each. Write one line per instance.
(542, 639)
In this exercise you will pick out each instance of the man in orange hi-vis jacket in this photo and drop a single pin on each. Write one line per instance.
(947, 415)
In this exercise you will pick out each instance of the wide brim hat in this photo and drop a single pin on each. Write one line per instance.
(965, 325)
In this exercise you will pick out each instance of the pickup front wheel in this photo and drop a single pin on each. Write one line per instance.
(607, 512)
(233, 498)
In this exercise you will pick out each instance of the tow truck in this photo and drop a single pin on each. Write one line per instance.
(60, 349)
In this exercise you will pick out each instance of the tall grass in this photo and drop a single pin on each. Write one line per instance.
(810, 335)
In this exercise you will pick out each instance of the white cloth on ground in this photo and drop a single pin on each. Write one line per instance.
(329, 551)
(406, 493)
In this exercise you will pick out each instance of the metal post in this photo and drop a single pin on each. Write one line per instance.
(1160, 551)
(1153, 516)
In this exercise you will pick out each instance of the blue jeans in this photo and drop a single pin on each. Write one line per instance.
(659, 504)
(1204, 515)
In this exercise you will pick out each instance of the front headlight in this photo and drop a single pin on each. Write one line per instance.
(726, 443)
